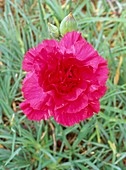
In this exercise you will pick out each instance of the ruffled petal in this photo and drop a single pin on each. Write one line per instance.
(84, 50)
(68, 119)
(34, 114)
(33, 92)
(96, 92)
(85, 53)
(94, 106)
(70, 39)
(33, 54)
(74, 106)
(102, 72)
(29, 58)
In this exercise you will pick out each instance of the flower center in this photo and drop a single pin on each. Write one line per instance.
(63, 79)
(68, 79)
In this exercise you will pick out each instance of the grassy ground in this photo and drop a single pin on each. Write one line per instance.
(95, 144)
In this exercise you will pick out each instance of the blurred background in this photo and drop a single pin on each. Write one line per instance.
(98, 143)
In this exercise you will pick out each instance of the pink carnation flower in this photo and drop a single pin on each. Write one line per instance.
(65, 80)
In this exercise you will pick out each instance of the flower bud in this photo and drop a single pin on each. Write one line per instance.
(68, 24)
(53, 30)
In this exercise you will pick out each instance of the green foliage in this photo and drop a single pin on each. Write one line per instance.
(97, 143)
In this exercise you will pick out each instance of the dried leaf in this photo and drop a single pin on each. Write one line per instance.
(1, 146)
(99, 26)
(116, 78)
